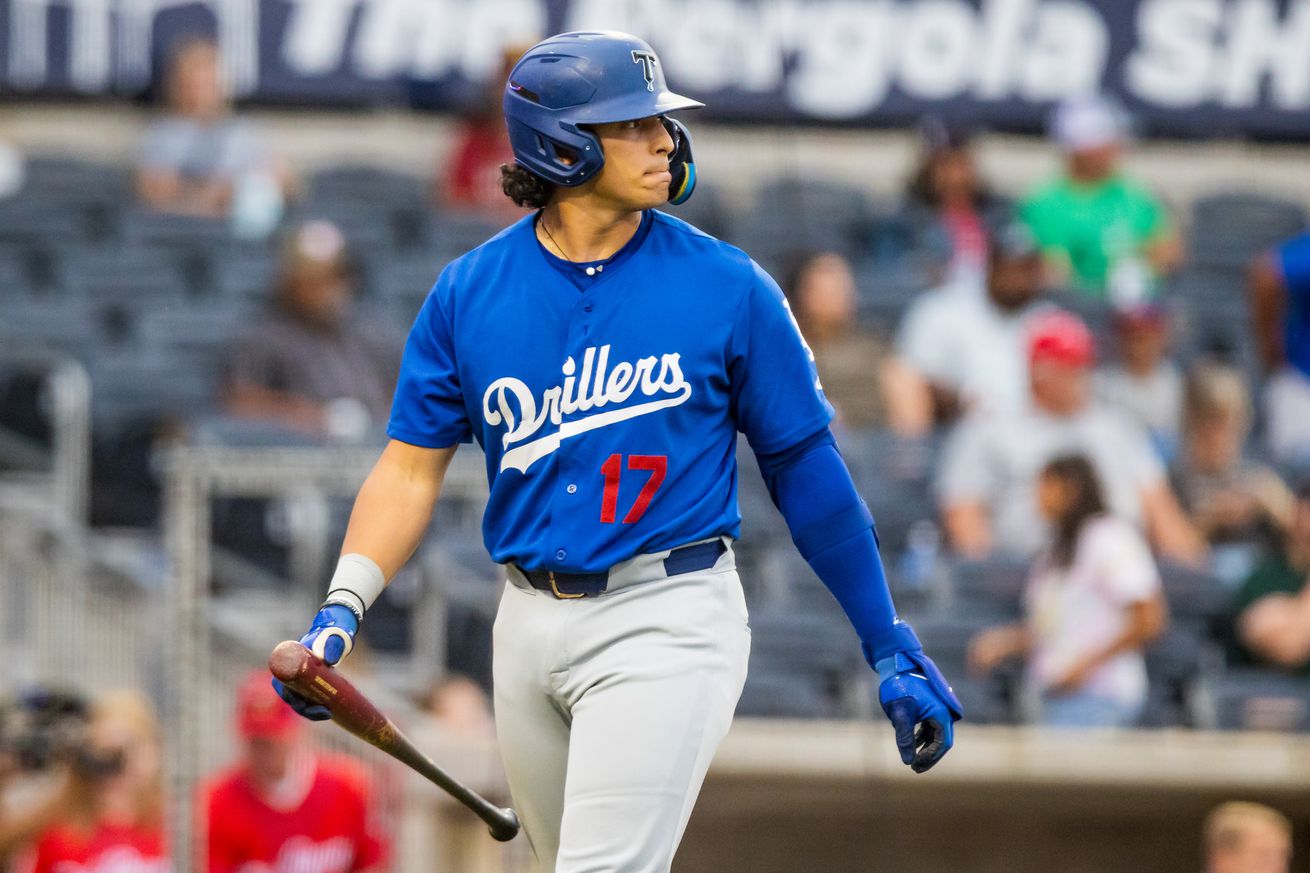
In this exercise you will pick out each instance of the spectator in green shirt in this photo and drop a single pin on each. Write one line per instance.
(1273, 606)
(1103, 234)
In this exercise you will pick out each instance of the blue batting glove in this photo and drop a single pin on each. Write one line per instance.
(915, 695)
(331, 636)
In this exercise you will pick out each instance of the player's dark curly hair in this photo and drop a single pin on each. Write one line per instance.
(525, 188)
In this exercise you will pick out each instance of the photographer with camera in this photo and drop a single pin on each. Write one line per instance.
(40, 731)
(104, 807)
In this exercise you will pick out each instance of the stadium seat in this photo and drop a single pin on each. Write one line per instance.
(1252, 699)
(348, 182)
(1194, 595)
(1174, 664)
(1228, 230)
(149, 384)
(146, 275)
(795, 215)
(706, 210)
(145, 227)
(993, 587)
(70, 180)
(36, 220)
(16, 280)
(61, 325)
(238, 272)
(454, 233)
(886, 289)
(775, 693)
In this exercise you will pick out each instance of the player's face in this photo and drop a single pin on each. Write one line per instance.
(636, 171)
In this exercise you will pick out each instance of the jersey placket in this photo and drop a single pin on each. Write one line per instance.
(570, 468)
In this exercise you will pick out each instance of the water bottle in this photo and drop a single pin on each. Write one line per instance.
(256, 204)
(918, 564)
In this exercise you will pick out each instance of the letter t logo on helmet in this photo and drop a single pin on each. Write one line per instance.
(567, 83)
(648, 62)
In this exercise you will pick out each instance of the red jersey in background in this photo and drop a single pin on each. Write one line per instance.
(107, 848)
(322, 826)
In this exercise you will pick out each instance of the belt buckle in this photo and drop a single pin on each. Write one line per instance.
(560, 594)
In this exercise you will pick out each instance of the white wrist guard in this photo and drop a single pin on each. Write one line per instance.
(356, 584)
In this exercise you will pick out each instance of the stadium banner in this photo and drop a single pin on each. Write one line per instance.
(1184, 67)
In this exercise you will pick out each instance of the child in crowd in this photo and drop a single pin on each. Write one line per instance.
(1092, 603)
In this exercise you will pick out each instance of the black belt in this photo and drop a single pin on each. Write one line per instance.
(687, 559)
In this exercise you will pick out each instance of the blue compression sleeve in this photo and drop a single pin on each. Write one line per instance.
(834, 532)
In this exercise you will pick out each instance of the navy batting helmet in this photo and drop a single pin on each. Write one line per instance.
(577, 79)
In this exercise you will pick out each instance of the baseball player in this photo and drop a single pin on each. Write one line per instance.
(605, 355)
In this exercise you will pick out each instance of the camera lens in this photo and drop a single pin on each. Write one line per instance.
(98, 763)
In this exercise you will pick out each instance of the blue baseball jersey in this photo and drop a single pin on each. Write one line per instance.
(1294, 262)
(607, 405)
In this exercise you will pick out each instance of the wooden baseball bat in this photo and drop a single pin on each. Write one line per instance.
(304, 673)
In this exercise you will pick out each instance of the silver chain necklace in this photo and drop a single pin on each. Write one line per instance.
(597, 267)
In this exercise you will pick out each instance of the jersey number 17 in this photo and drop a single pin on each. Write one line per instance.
(656, 465)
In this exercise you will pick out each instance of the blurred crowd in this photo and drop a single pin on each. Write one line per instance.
(1037, 354)
(82, 787)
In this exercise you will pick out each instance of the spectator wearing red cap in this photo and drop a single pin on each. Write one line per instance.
(1143, 382)
(990, 466)
(284, 808)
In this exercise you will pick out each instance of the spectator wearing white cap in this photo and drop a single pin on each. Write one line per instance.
(1105, 235)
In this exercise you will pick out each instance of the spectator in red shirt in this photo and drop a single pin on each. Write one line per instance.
(285, 808)
(111, 818)
(472, 177)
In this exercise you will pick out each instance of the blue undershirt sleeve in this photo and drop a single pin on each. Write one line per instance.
(834, 532)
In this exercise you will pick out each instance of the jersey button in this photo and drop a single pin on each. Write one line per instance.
(572, 489)
(587, 307)
(561, 555)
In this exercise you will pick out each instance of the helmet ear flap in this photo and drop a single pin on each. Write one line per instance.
(682, 166)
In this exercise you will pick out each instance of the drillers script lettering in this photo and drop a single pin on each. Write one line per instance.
(511, 402)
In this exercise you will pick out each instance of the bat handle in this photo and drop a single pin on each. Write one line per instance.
(504, 824)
